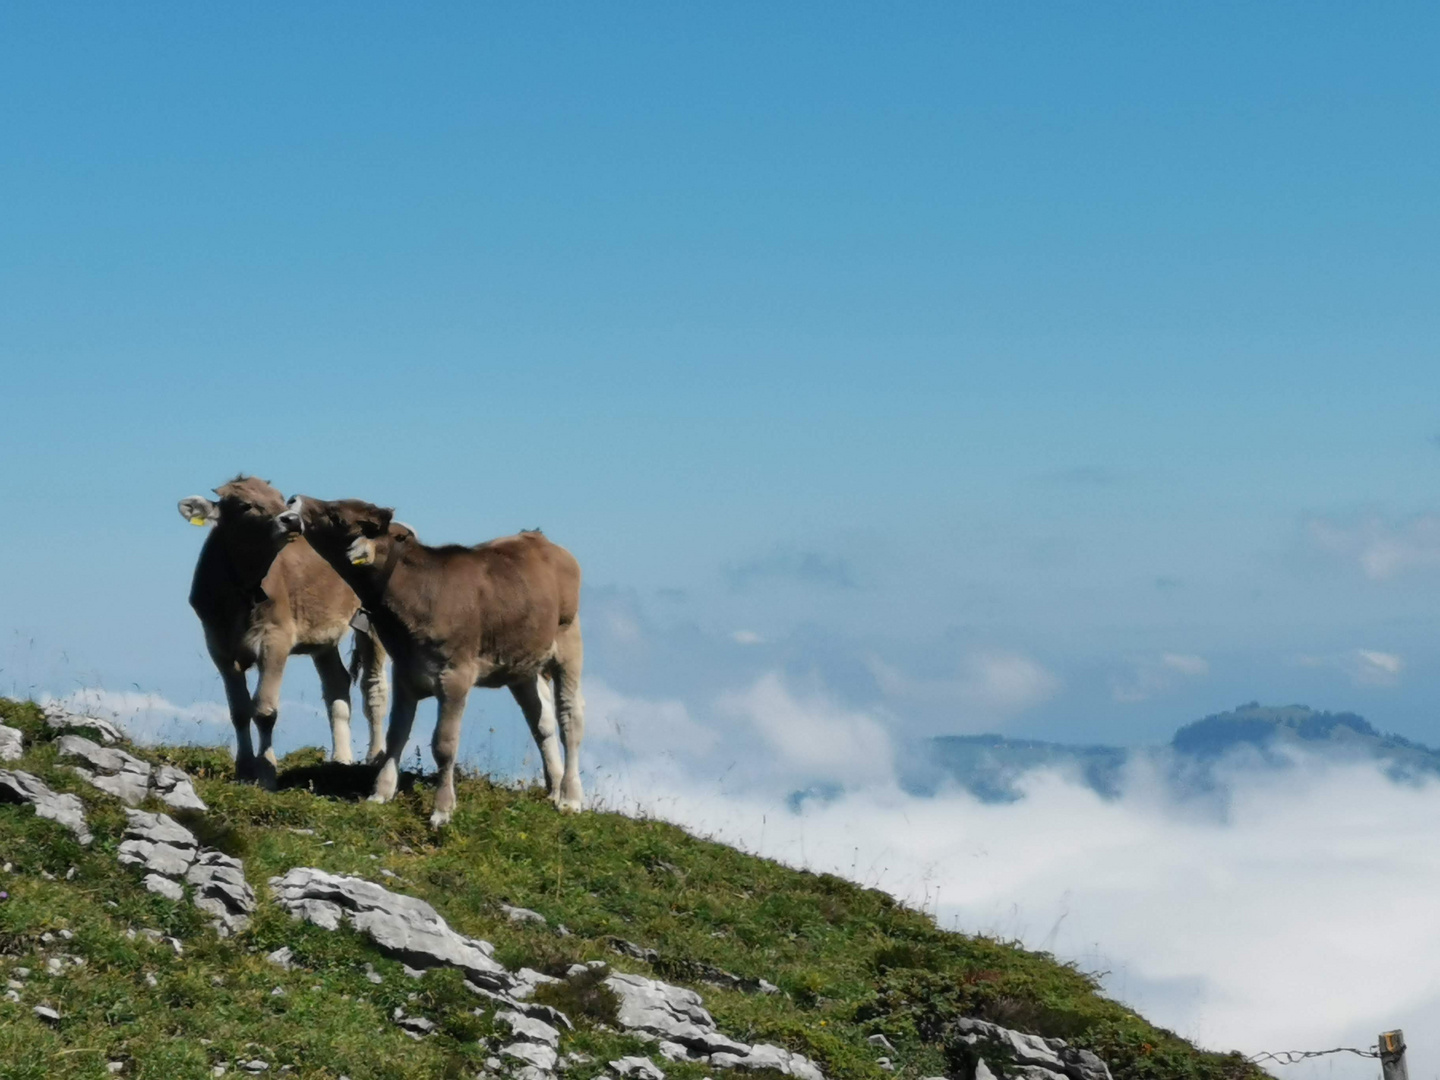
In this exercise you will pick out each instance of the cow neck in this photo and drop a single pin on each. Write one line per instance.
(373, 587)
(244, 568)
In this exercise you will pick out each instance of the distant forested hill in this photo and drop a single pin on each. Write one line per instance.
(1251, 736)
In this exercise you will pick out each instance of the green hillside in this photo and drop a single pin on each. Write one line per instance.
(850, 962)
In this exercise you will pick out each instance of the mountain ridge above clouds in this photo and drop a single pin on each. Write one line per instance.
(1198, 759)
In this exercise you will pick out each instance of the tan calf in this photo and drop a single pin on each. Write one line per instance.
(502, 613)
(260, 599)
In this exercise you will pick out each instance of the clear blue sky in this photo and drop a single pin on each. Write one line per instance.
(1068, 370)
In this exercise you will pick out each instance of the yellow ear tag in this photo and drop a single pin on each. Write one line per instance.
(360, 560)
(197, 520)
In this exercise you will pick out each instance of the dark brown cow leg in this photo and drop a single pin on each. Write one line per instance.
(267, 711)
(237, 693)
(402, 718)
(570, 709)
(537, 701)
(335, 686)
(445, 745)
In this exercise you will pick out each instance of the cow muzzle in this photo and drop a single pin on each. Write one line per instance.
(287, 524)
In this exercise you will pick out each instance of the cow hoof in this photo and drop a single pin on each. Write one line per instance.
(378, 798)
(568, 805)
(439, 819)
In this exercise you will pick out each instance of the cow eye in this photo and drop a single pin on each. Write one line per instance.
(369, 529)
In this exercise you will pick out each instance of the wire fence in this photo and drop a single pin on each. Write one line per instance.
(1294, 1057)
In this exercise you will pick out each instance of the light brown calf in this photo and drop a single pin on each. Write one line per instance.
(260, 599)
(502, 613)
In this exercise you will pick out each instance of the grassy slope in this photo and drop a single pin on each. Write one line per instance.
(850, 960)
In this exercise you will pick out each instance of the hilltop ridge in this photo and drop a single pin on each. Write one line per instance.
(141, 980)
(1250, 735)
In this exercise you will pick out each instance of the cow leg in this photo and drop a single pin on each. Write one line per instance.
(335, 686)
(267, 711)
(570, 709)
(537, 702)
(376, 689)
(402, 718)
(445, 744)
(237, 693)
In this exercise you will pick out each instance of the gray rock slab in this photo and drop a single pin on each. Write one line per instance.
(12, 743)
(548, 1013)
(67, 810)
(522, 915)
(171, 890)
(404, 927)
(61, 719)
(222, 891)
(640, 1067)
(532, 1053)
(1031, 1052)
(668, 1012)
(528, 1028)
(157, 843)
(765, 1056)
(176, 789)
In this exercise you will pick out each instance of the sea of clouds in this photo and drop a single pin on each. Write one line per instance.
(1298, 911)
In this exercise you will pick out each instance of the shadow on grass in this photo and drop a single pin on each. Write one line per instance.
(333, 780)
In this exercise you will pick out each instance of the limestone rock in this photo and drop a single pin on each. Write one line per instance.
(522, 915)
(765, 1056)
(176, 789)
(12, 743)
(1032, 1054)
(641, 1067)
(222, 891)
(171, 890)
(61, 719)
(158, 843)
(669, 1012)
(528, 1028)
(535, 1054)
(21, 787)
(404, 927)
(120, 774)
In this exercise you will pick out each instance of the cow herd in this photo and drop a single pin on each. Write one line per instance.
(276, 578)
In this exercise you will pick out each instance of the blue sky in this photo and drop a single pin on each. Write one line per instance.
(1068, 371)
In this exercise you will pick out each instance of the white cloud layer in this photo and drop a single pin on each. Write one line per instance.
(1302, 917)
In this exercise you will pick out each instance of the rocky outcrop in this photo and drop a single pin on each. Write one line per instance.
(129, 778)
(222, 891)
(1013, 1054)
(60, 718)
(693, 970)
(158, 843)
(678, 1016)
(170, 854)
(67, 810)
(404, 927)
(12, 743)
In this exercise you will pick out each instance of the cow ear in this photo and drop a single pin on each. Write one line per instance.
(199, 510)
(384, 515)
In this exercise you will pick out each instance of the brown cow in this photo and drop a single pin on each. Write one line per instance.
(261, 599)
(502, 613)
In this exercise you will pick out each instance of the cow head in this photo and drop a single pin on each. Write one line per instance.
(346, 532)
(246, 505)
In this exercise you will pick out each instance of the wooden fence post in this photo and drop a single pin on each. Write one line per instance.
(1392, 1056)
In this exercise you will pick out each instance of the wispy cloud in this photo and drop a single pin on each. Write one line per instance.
(789, 564)
(1382, 549)
(1365, 667)
(1151, 676)
(990, 685)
